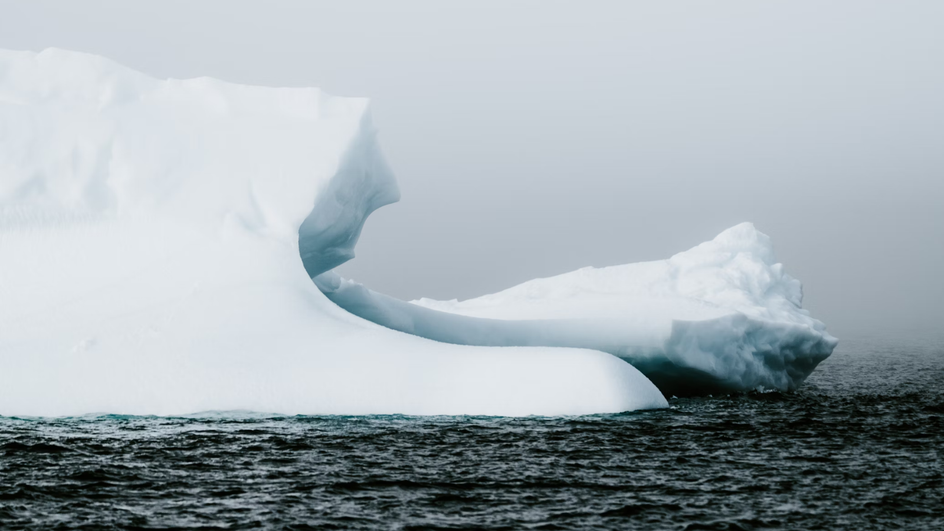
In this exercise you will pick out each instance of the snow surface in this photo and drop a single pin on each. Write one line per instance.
(157, 243)
(722, 316)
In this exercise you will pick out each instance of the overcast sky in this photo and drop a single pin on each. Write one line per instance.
(532, 138)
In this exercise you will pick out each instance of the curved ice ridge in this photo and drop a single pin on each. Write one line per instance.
(157, 243)
(722, 316)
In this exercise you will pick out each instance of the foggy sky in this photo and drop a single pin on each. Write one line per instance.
(532, 138)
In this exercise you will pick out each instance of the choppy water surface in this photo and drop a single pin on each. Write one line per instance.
(859, 447)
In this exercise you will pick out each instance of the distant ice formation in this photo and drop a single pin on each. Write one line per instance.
(720, 317)
(157, 243)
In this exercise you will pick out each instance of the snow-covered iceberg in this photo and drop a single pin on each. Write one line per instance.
(722, 316)
(157, 243)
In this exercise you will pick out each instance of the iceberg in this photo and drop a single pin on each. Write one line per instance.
(720, 317)
(167, 247)
(158, 240)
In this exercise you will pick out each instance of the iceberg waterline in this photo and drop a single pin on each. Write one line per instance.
(157, 244)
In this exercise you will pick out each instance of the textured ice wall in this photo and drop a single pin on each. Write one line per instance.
(722, 316)
(157, 239)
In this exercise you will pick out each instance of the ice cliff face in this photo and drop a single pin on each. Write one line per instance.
(157, 239)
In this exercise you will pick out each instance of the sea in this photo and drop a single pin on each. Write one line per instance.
(859, 446)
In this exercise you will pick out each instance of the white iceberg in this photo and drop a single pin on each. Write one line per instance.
(720, 317)
(157, 243)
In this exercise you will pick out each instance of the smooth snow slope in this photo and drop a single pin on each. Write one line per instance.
(722, 316)
(157, 240)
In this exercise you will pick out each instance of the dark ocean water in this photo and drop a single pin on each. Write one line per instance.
(858, 447)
